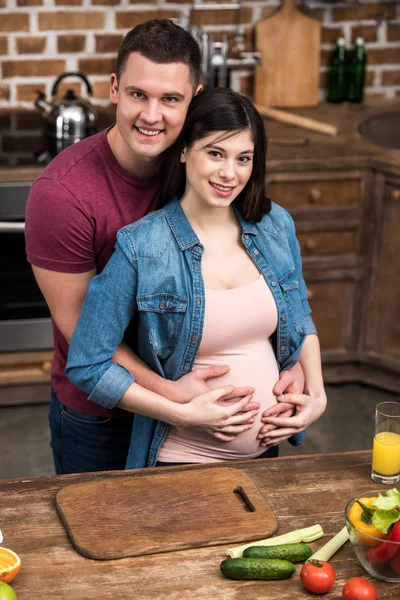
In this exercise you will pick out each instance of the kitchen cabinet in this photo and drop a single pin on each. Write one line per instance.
(25, 377)
(347, 223)
(381, 326)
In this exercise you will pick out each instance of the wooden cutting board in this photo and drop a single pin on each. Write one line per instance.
(146, 514)
(289, 42)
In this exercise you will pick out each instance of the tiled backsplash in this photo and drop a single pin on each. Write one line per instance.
(39, 39)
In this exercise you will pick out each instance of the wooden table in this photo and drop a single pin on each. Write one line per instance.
(302, 491)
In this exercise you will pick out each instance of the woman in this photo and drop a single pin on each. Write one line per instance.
(214, 277)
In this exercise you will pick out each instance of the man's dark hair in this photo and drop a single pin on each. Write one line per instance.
(163, 42)
(218, 110)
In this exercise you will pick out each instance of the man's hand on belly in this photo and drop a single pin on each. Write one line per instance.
(290, 381)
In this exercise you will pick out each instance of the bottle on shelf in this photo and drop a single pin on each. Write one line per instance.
(356, 67)
(337, 91)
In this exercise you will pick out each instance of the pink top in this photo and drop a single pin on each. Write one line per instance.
(237, 326)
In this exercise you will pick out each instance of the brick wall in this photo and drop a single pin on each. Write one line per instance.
(40, 39)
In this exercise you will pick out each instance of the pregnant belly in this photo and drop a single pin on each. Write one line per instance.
(257, 369)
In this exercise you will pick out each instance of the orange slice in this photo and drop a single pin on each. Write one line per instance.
(10, 564)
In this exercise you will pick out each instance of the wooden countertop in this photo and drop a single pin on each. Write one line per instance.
(347, 148)
(344, 148)
(302, 491)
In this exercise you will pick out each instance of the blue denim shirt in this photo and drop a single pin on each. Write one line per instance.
(155, 275)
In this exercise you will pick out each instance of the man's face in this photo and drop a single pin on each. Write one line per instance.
(152, 100)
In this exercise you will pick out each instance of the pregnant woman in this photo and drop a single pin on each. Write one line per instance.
(214, 277)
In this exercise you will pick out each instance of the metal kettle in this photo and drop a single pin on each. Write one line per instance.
(68, 119)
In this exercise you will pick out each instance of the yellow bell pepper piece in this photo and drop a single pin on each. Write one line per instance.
(355, 513)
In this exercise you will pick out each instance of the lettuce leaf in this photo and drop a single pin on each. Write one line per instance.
(383, 519)
(389, 501)
(387, 510)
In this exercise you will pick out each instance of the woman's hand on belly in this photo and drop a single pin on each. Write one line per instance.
(224, 420)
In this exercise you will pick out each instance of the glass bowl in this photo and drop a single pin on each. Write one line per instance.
(363, 543)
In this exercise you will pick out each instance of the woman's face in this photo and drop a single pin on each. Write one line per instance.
(218, 167)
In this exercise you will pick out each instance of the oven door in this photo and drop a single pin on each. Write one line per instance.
(24, 316)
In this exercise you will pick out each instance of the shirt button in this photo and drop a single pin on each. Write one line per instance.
(273, 283)
(198, 301)
(283, 318)
(246, 237)
(186, 367)
(283, 348)
(162, 305)
(256, 252)
(196, 267)
(195, 338)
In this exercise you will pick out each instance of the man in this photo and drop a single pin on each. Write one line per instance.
(74, 210)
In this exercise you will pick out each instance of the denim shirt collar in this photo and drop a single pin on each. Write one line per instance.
(182, 230)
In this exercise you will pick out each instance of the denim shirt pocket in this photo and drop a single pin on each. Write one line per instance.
(290, 287)
(162, 317)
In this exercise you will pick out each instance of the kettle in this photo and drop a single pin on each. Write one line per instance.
(68, 119)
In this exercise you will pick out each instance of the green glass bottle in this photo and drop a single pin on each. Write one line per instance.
(356, 67)
(337, 91)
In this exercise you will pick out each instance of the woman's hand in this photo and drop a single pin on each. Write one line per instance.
(307, 410)
(216, 413)
(291, 381)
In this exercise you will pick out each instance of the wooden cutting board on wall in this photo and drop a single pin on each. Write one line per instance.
(289, 42)
(146, 513)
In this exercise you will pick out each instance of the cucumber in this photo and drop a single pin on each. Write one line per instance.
(256, 568)
(292, 552)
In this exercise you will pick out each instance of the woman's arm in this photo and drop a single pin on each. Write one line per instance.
(211, 412)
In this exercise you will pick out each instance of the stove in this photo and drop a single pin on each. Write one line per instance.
(25, 323)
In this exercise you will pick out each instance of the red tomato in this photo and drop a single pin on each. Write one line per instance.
(358, 588)
(318, 576)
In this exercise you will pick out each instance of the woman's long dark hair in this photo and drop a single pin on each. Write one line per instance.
(213, 110)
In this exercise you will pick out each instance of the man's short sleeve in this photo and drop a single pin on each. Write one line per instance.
(59, 233)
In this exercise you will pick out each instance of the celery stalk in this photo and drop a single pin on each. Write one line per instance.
(329, 549)
(309, 534)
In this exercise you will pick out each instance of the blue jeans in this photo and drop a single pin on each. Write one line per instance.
(82, 443)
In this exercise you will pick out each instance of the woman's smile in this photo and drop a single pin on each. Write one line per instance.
(222, 190)
(222, 161)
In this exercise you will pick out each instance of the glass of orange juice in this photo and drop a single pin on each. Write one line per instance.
(386, 450)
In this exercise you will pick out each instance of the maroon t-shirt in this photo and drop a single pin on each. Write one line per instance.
(74, 210)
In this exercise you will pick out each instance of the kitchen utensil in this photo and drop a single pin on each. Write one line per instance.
(289, 42)
(68, 119)
(298, 120)
(290, 141)
(143, 513)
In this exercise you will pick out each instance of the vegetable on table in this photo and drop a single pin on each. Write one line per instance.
(358, 588)
(386, 510)
(328, 550)
(395, 563)
(257, 568)
(360, 516)
(292, 552)
(309, 534)
(317, 576)
(386, 550)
